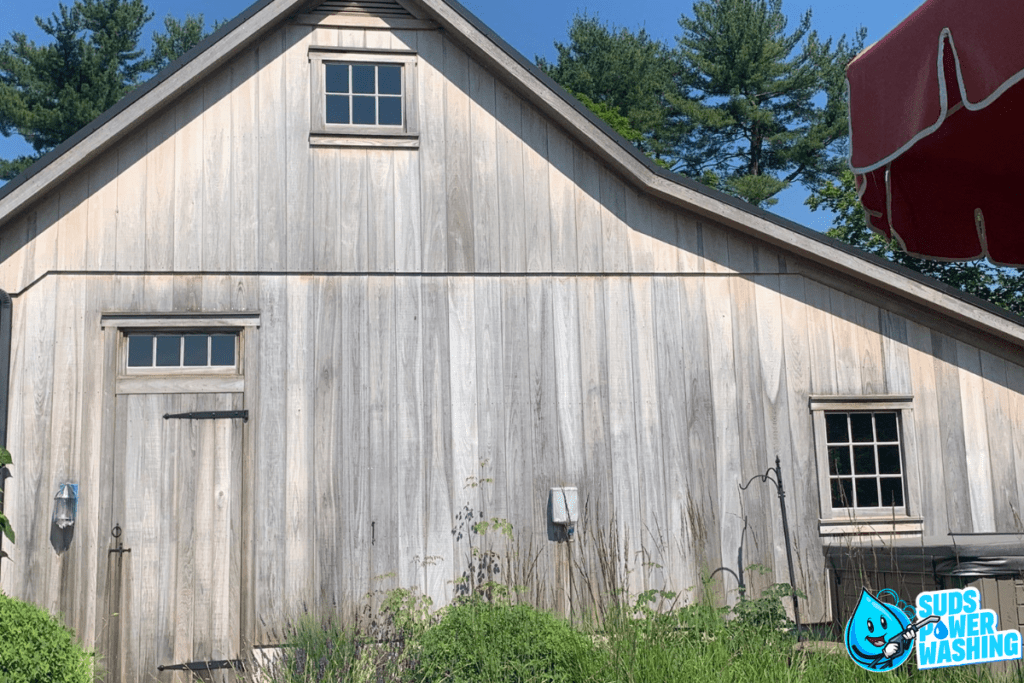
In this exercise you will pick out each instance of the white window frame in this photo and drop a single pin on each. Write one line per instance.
(347, 134)
(869, 524)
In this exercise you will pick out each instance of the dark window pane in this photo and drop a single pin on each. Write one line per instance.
(842, 493)
(860, 426)
(390, 111)
(839, 460)
(889, 459)
(892, 491)
(835, 428)
(196, 349)
(223, 349)
(168, 350)
(867, 493)
(364, 110)
(362, 78)
(885, 427)
(337, 77)
(140, 351)
(337, 109)
(863, 459)
(389, 80)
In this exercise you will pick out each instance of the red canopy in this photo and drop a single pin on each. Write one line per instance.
(937, 130)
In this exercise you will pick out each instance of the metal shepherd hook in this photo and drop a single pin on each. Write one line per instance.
(777, 480)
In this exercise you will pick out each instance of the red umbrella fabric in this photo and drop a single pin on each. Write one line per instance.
(937, 131)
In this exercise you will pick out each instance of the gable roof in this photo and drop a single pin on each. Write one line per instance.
(540, 90)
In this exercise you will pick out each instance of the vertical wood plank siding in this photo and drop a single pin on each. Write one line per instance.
(449, 329)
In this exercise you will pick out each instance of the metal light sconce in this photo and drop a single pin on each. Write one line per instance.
(65, 506)
(565, 506)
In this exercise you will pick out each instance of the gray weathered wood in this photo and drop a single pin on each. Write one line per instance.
(975, 426)
(409, 412)
(487, 170)
(272, 145)
(511, 189)
(130, 221)
(218, 182)
(999, 434)
(432, 158)
(458, 165)
(439, 489)
(538, 204)
(951, 431)
(380, 233)
(563, 202)
(588, 212)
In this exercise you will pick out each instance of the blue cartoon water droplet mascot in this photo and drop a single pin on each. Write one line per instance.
(879, 635)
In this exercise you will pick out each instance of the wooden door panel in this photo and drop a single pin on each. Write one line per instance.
(177, 499)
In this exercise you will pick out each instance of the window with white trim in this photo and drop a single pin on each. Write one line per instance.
(363, 97)
(865, 449)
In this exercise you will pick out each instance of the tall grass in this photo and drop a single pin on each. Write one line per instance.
(480, 640)
(491, 633)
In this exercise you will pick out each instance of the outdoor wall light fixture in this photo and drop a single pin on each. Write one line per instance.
(65, 506)
(565, 508)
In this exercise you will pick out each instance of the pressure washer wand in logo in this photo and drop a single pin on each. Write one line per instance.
(899, 643)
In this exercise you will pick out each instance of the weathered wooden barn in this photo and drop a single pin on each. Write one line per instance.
(353, 275)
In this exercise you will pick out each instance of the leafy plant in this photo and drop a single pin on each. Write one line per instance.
(36, 648)
(489, 642)
(5, 524)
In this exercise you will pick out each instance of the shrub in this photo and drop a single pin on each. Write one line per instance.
(35, 647)
(483, 642)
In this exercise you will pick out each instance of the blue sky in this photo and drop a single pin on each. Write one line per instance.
(532, 27)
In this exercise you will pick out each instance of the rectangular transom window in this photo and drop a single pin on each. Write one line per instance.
(363, 97)
(185, 350)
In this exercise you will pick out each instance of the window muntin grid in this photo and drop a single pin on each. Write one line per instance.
(865, 459)
(181, 350)
(363, 94)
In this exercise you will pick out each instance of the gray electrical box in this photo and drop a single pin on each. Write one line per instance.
(565, 505)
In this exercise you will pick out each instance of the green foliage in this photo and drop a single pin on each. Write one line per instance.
(91, 60)
(407, 611)
(36, 648)
(177, 38)
(47, 92)
(5, 524)
(483, 642)
(625, 78)
(1003, 287)
(319, 650)
(739, 104)
(751, 98)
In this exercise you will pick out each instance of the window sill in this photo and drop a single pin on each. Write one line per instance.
(180, 384)
(377, 142)
(867, 528)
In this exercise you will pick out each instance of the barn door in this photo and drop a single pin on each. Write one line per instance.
(173, 572)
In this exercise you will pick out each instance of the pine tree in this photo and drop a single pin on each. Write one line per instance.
(92, 59)
(625, 78)
(753, 99)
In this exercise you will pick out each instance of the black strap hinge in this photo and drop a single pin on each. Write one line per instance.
(210, 415)
(203, 666)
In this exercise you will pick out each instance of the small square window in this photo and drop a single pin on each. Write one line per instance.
(363, 94)
(863, 446)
